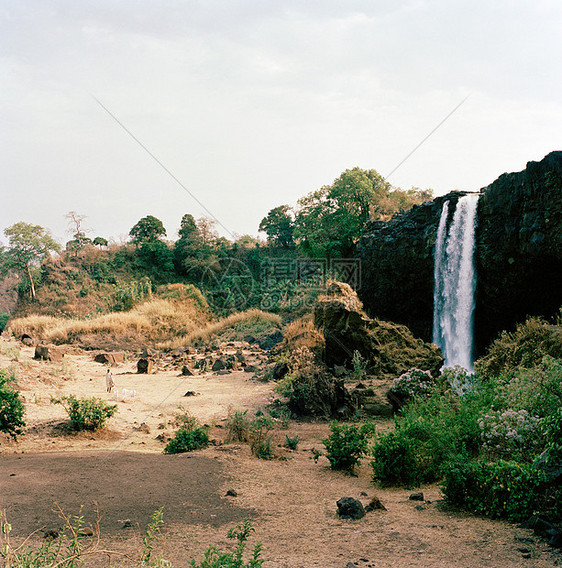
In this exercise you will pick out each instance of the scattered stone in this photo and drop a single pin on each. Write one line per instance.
(523, 549)
(251, 368)
(350, 508)
(127, 524)
(144, 428)
(419, 508)
(147, 352)
(191, 393)
(145, 366)
(416, 496)
(375, 505)
(350, 565)
(186, 371)
(87, 531)
(219, 365)
(231, 493)
(51, 534)
(363, 494)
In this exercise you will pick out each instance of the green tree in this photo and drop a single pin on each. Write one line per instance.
(100, 242)
(279, 227)
(28, 246)
(79, 238)
(148, 229)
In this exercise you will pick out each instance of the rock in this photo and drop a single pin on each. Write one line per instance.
(375, 505)
(219, 365)
(416, 496)
(388, 348)
(109, 358)
(145, 366)
(268, 341)
(127, 524)
(187, 371)
(191, 393)
(241, 358)
(231, 493)
(27, 340)
(144, 428)
(350, 508)
(87, 531)
(251, 369)
(51, 534)
(48, 353)
(280, 369)
(148, 352)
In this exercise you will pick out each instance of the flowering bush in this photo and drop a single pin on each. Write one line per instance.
(509, 433)
(411, 384)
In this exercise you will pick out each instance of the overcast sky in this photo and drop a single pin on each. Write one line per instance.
(252, 104)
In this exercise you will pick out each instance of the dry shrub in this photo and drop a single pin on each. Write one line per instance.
(302, 333)
(150, 321)
(250, 321)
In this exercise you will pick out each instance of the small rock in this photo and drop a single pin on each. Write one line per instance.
(51, 534)
(191, 393)
(375, 505)
(363, 494)
(145, 366)
(127, 524)
(144, 428)
(350, 565)
(231, 493)
(87, 531)
(523, 550)
(416, 496)
(350, 508)
(186, 371)
(419, 508)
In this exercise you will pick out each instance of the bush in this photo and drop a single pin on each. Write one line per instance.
(4, 317)
(414, 383)
(499, 490)
(237, 426)
(12, 410)
(214, 558)
(394, 460)
(347, 444)
(260, 437)
(86, 413)
(187, 440)
(292, 443)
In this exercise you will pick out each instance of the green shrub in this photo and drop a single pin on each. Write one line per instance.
(394, 460)
(4, 317)
(214, 558)
(237, 426)
(260, 437)
(503, 489)
(86, 413)
(292, 443)
(12, 410)
(347, 444)
(187, 440)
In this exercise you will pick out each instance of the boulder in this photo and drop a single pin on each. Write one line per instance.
(389, 349)
(350, 508)
(48, 353)
(109, 358)
(27, 340)
(187, 371)
(145, 366)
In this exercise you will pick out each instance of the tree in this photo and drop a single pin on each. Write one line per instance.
(279, 227)
(148, 229)
(79, 238)
(28, 246)
(330, 220)
(100, 242)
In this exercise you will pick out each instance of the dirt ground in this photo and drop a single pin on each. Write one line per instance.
(291, 501)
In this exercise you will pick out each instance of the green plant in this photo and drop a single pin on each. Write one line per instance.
(359, 367)
(347, 444)
(186, 440)
(237, 426)
(499, 490)
(4, 317)
(12, 410)
(394, 460)
(292, 443)
(86, 413)
(260, 437)
(214, 558)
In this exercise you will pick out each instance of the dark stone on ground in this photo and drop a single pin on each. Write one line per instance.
(107, 358)
(187, 371)
(280, 369)
(350, 508)
(48, 353)
(231, 493)
(145, 366)
(191, 393)
(375, 505)
(416, 496)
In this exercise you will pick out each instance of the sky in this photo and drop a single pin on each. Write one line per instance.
(228, 108)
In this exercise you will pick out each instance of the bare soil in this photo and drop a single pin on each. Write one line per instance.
(290, 500)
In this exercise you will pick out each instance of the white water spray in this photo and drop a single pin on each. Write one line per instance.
(455, 283)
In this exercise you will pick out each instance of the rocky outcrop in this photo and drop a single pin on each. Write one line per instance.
(389, 349)
(519, 248)
(518, 255)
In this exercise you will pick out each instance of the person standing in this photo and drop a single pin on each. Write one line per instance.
(109, 382)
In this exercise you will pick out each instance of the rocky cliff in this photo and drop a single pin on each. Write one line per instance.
(518, 255)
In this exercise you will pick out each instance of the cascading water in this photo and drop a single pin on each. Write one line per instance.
(455, 282)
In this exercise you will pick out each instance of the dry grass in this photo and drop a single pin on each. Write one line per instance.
(250, 321)
(303, 333)
(154, 320)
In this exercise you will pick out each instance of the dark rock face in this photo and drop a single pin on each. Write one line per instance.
(518, 255)
(519, 248)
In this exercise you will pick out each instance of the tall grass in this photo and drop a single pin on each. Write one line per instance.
(153, 320)
(251, 321)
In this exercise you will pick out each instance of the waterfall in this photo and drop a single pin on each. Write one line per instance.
(455, 282)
